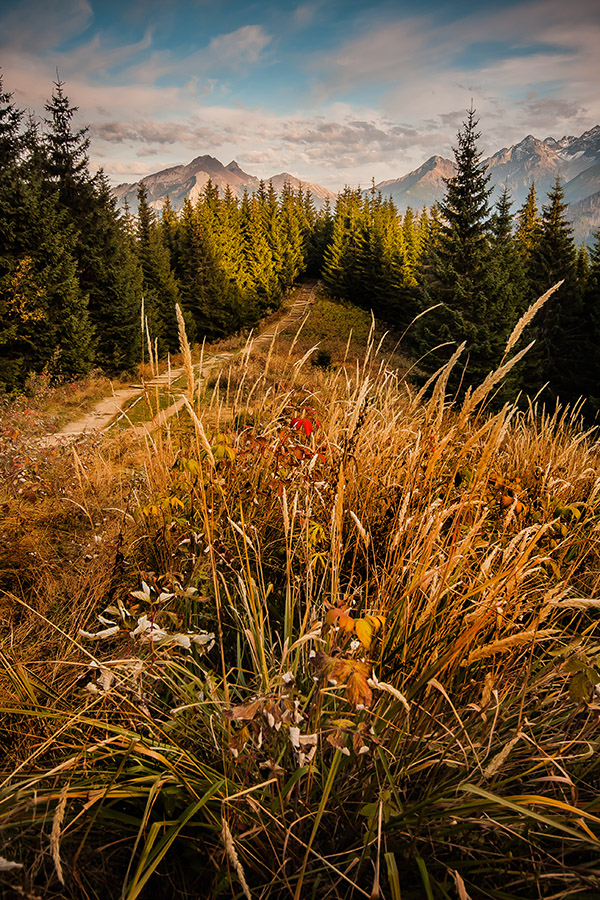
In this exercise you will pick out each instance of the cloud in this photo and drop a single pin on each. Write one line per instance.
(132, 169)
(187, 134)
(420, 66)
(43, 27)
(377, 103)
(304, 14)
(240, 47)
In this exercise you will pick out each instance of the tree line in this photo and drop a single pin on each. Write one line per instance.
(77, 275)
(466, 271)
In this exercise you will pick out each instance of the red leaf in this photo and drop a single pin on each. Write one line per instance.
(306, 424)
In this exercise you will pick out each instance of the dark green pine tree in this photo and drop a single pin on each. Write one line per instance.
(208, 294)
(558, 325)
(193, 269)
(527, 236)
(66, 151)
(589, 355)
(507, 285)
(11, 188)
(110, 274)
(320, 239)
(527, 231)
(159, 286)
(380, 259)
(506, 275)
(57, 329)
(44, 320)
(107, 270)
(457, 267)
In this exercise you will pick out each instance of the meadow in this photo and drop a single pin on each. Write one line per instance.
(324, 635)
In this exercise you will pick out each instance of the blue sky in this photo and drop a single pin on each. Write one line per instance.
(333, 92)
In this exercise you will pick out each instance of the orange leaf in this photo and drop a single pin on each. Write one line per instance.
(358, 692)
(346, 622)
(339, 670)
(364, 632)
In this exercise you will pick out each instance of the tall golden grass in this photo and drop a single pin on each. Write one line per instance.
(401, 697)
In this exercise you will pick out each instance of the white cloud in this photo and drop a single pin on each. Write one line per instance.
(43, 26)
(144, 102)
(240, 47)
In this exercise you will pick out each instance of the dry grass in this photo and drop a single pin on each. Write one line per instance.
(401, 697)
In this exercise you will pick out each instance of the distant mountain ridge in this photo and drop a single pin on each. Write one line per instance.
(575, 159)
(179, 182)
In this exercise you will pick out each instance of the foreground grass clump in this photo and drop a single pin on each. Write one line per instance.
(340, 641)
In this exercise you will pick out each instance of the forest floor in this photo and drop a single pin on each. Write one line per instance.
(115, 406)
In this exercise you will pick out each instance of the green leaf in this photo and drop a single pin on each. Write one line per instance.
(580, 687)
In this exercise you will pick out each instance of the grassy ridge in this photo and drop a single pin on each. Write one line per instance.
(320, 637)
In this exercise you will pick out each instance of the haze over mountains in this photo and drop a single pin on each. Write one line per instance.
(575, 159)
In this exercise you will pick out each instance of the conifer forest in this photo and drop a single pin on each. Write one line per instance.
(74, 269)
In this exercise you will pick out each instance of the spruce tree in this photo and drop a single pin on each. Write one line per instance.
(507, 285)
(10, 191)
(589, 355)
(159, 286)
(320, 239)
(107, 270)
(527, 232)
(66, 151)
(457, 267)
(264, 289)
(292, 241)
(44, 321)
(558, 325)
(340, 274)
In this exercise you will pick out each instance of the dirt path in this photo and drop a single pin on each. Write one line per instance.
(107, 410)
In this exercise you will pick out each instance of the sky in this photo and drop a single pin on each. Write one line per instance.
(332, 91)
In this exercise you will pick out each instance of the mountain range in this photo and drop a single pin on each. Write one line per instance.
(180, 182)
(575, 159)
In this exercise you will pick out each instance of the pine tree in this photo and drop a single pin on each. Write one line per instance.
(229, 237)
(44, 320)
(527, 232)
(107, 270)
(264, 289)
(340, 275)
(292, 241)
(10, 191)
(159, 286)
(558, 325)
(465, 211)
(457, 266)
(589, 355)
(320, 239)
(66, 151)
(507, 285)
(211, 298)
